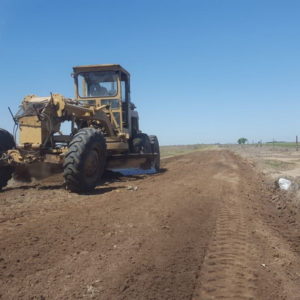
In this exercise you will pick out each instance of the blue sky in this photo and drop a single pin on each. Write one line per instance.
(202, 71)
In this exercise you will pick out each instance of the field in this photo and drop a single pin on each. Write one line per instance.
(285, 145)
(279, 160)
(169, 151)
(211, 225)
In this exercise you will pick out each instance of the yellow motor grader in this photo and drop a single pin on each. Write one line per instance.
(104, 132)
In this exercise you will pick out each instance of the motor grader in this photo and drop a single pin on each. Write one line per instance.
(104, 132)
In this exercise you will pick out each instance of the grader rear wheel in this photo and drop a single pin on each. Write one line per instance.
(7, 142)
(85, 161)
(142, 144)
(155, 149)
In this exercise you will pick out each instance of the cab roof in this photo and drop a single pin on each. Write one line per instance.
(108, 67)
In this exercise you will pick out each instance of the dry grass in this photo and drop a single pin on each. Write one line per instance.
(168, 151)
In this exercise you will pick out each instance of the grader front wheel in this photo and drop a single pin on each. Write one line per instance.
(5, 176)
(7, 142)
(85, 161)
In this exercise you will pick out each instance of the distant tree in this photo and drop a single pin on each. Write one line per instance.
(242, 141)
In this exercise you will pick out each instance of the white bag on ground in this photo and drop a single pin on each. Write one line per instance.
(284, 184)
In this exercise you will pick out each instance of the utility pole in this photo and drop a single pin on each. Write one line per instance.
(297, 145)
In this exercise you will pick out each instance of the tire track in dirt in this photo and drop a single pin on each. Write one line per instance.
(227, 271)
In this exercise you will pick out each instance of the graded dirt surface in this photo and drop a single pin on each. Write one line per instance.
(209, 226)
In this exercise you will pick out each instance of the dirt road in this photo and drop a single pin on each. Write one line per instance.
(207, 227)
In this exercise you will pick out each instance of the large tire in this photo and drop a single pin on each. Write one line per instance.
(85, 160)
(155, 149)
(7, 142)
(141, 144)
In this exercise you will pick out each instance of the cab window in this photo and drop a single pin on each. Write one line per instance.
(98, 84)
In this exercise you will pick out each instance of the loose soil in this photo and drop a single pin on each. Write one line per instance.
(208, 226)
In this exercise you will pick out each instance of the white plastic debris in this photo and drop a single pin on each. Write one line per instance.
(132, 188)
(284, 184)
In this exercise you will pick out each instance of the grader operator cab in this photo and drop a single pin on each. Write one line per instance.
(104, 132)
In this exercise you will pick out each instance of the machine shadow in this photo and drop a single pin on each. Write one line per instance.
(122, 176)
(110, 176)
(101, 190)
(130, 174)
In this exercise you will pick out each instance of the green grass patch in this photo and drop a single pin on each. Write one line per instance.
(279, 164)
(281, 144)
